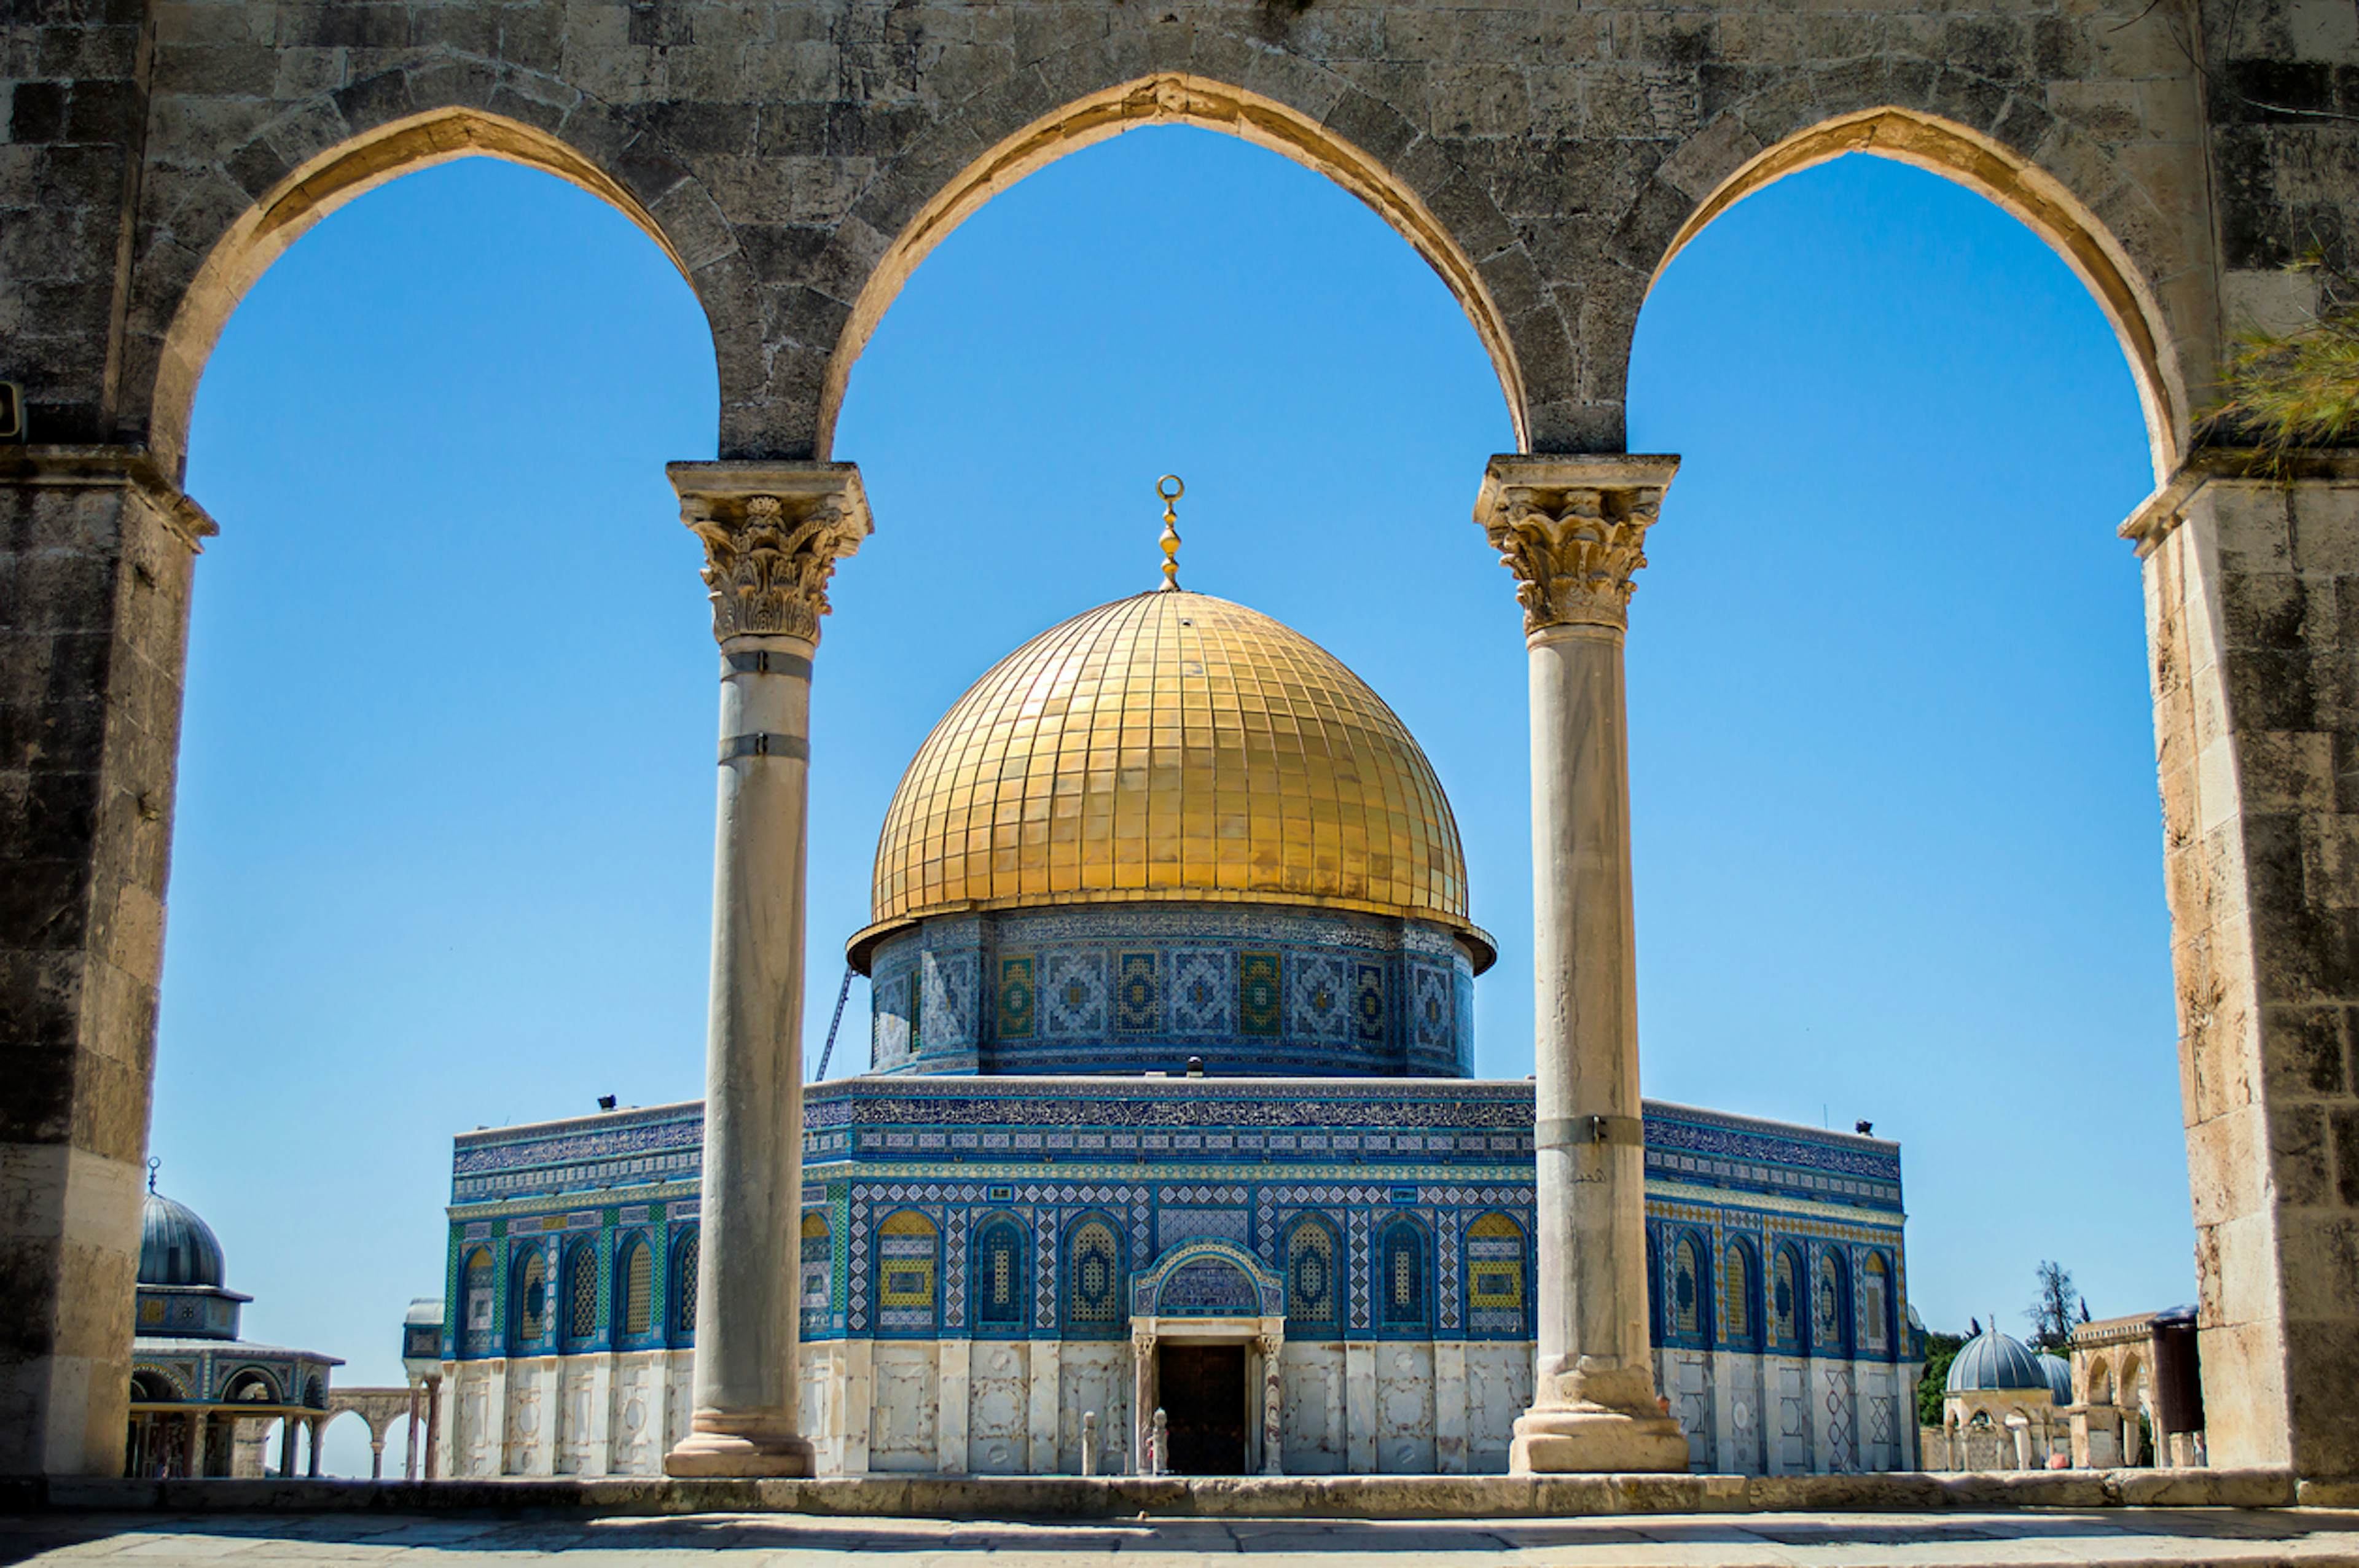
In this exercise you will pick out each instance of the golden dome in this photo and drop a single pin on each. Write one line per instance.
(1171, 747)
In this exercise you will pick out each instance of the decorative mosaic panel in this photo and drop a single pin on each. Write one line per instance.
(1073, 995)
(888, 1039)
(1495, 1277)
(954, 1270)
(1174, 1225)
(1445, 1268)
(856, 1263)
(1207, 1287)
(998, 1284)
(908, 1250)
(1017, 998)
(1358, 1220)
(1318, 1003)
(1093, 1292)
(1402, 1279)
(1260, 998)
(817, 1269)
(1137, 993)
(1204, 999)
(1368, 1017)
(1434, 1011)
(947, 1008)
(1310, 1277)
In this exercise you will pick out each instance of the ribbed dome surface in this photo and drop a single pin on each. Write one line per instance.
(2060, 1376)
(175, 1248)
(1171, 746)
(1991, 1360)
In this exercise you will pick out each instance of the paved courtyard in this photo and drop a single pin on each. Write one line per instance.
(2114, 1538)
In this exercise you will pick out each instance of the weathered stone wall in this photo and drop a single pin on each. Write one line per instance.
(797, 157)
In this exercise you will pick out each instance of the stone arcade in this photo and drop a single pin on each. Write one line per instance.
(1171, 1109)
(797, 159)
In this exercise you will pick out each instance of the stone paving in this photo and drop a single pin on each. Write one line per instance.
(2116, 1538)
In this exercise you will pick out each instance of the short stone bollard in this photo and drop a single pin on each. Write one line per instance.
(1089, 1443)
(1157, 1433)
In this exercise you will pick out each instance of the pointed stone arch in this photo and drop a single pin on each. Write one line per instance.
(1724, 163)
(924, 215)
(197, 267)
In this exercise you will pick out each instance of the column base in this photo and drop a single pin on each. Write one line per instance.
(703, 1455)
(1589, 1440)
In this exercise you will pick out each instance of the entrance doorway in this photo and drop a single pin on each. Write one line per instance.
(1203, 1399)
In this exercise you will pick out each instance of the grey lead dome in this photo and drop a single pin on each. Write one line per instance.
(1991, 1360)
(175, 1248)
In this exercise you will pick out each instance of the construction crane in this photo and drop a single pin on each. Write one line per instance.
(827, 1051)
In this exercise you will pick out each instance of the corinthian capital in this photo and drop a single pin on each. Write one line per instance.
(1574, 530)
(772, 532)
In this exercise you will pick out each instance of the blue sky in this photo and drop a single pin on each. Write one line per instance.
(444, 836)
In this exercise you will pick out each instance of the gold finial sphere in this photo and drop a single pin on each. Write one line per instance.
(1170, 489)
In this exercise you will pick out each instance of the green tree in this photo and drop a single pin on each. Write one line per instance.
(1941, 1349)
(2050, 1313)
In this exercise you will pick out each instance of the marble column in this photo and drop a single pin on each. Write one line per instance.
(1273, 1401)
(772, 535)
(410, 1454)
(1143, 1457)
(286, 1448)
(433, 1427)
(1571, 529)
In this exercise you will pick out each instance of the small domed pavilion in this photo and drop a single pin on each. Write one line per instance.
(194, 1383)
(1996, 1380)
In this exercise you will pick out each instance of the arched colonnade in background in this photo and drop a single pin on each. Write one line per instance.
(1548, 162)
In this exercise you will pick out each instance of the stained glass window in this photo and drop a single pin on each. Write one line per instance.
(1736, 1295)
(1311, 1276)
(1875, 1298)
(1495, 1276)
(683, 1291)
(1094, 1277)
(1785, 1302)
(908, 1247)
(818, 1272)
(1402, 1274)
(1829, 1309)
(999, 1284)
(479, 1291)
(582, 1293)
(638, 1286)
(532, 1297)
(1687, 1293)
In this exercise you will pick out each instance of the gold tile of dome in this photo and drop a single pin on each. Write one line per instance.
(1171, 746)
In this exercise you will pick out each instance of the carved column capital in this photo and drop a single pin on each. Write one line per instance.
(1574, 530)
(772, 534)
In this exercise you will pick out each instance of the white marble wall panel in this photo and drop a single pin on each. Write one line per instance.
(1094, 1375)
(473, 1423)
(679, 1398)
(1793, 1450)
(1311, 1400)
(574, 1455)
(818, 1393)
(1498, 1390)
(635, 1416)
(1405, 1409)
(904, 1428)
(1837, 1409)
(1738, 1403)
(526, 1435)
(1685, 1377)
(997, 1438)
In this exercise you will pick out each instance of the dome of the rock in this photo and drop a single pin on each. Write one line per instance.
(1171, 828)
(1171, 747)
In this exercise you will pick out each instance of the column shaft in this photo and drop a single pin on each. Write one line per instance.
(772, 535)
(1573, 530)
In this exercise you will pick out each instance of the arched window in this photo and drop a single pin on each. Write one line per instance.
(529, 1320)
(1495, 1277)
(1310, 1296)
(1653, 1287)
(480, 1300)
(819, 1274)
(582, 1293)
(634, 1282)
(998, 1286)
(1786, 1303)
(1690, 1285)
(683, 1290)
(906, 1249)
(1876, 1304)
(1402, 1281)
(1830, 1307)
(1093, 1281)
(1740, 1325)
